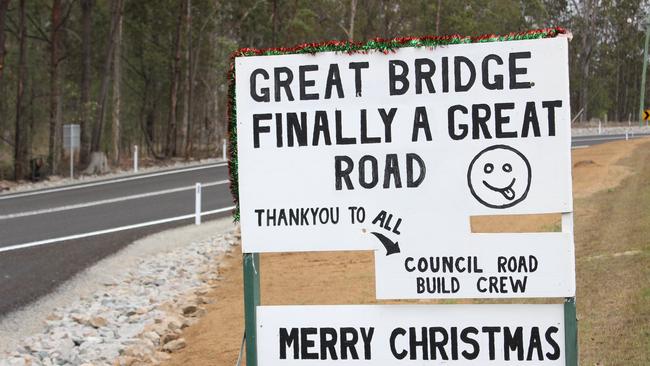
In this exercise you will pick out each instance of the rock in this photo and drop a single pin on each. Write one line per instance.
(175, 345)
(152, 336)
(125, 361)
(97, 322)
(174, 324)
(190, 309)
(162, 356)
(17, 361)
(168, 337)
(79, 318)
(201, 292)
(54, 317)
(139, 351)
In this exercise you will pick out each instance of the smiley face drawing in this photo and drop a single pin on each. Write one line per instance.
(499, 176)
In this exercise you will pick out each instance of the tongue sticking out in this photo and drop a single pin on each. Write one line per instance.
(508, 193)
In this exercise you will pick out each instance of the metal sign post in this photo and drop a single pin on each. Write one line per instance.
(71, 142)
(570, 332)
(251, 301)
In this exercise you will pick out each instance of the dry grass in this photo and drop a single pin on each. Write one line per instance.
(613, 269)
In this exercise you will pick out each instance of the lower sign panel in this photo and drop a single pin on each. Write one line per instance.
(411, 334)
(479, 266)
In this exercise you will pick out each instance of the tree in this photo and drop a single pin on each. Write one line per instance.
(85, 105)
(438, 9)
(20, 142)
(4, 6)
(175, 78)
(117, 77)
(189, 83)
(98, 127)
(587, 11)
(54, 150)
(353, 13)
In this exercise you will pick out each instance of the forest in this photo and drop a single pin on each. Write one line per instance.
(154, 73)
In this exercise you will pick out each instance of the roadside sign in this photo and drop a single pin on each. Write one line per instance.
(646, 114)
(71, 137)
(483, 129)
(396, 151)
(411, 335)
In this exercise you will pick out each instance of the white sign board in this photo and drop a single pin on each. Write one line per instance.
(395, 152)
(71, 137)
(479, 266)
(411, 335)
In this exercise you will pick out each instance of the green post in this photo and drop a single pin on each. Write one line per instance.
(643, 72)
(570, 331)
(251, 301)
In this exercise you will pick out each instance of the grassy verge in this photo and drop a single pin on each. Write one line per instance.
(613, 269)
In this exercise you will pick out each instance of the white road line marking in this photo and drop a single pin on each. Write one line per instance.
(603, 138)
(600, 138)
(580, 147)
(111, 181)
(106, 201)
(108, 231)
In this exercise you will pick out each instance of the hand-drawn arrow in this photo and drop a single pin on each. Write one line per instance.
(391, 248)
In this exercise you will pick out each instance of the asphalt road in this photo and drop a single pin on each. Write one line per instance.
(580, 141)
(52, 214)
(48, 236)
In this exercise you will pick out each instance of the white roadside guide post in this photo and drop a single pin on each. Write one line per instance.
(71, 142)
(135, 158)
(71, 159)
(197, 205)
(224, 151)
(395, 152)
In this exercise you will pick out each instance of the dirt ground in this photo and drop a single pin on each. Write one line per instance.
(612, 229)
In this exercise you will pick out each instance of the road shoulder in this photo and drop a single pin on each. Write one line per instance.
(164, 268)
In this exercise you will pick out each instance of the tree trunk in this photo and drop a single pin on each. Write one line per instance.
(589, 15)
(353, 13)
(173, 93)
(117, 76)
(4, 5)
(183, 135)
(54, 147)
(274, 36)
(20, 143)
(385, 11)
(438, 8)
(98, 128)
(189, 83)
(86, 124)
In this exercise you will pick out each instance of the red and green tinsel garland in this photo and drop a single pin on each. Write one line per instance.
(350, 47)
